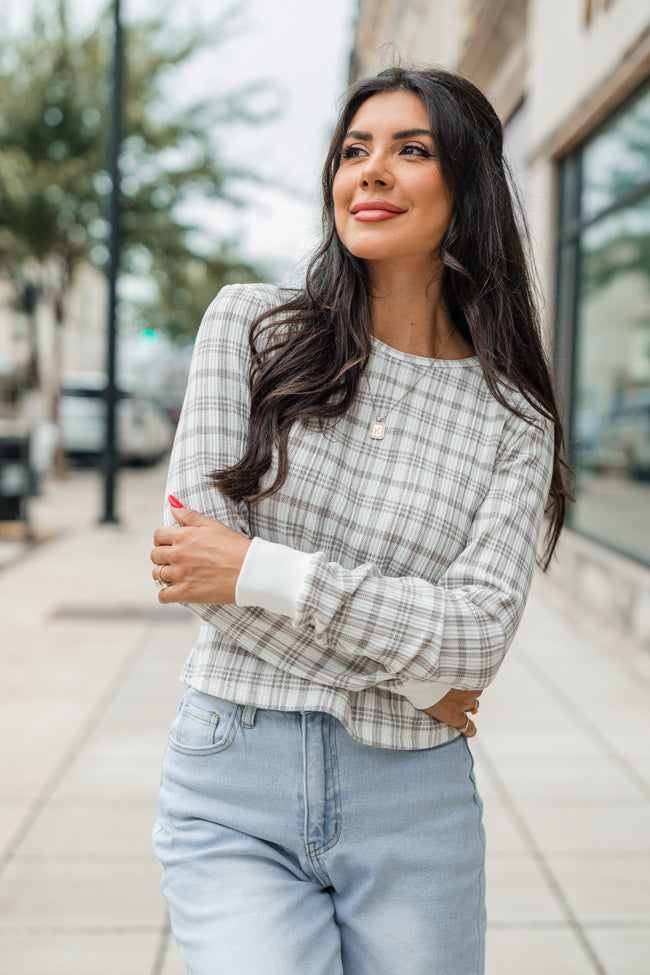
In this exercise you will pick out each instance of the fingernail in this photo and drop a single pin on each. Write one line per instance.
(174, 502)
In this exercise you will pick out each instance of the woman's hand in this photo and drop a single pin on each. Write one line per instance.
(199, 561)
(453, 707)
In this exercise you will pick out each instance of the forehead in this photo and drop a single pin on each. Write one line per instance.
(392, 110)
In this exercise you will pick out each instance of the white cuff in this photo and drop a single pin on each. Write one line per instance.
(271, 577)
(423, 694)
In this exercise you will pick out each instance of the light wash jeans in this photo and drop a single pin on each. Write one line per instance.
(289, 848)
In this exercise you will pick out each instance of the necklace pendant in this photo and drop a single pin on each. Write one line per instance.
(377, 429)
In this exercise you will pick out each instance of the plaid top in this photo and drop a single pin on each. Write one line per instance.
(424, 542)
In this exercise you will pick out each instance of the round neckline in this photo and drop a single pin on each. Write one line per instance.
(420, 359)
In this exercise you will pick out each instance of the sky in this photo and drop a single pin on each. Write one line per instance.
(302, 48)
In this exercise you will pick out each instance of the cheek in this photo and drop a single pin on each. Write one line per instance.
(340, 190)
(433, 186)
(341, 196)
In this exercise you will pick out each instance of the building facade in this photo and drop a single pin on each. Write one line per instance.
(571, 82)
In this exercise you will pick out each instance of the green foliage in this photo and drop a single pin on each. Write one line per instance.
(54, 128)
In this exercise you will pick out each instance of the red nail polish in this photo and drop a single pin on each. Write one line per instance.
(174, 502)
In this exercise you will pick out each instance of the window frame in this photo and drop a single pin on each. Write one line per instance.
(571, 225)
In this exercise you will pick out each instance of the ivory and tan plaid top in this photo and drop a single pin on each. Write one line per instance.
(423, 543)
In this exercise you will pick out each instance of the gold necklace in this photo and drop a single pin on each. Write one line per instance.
(378, 426)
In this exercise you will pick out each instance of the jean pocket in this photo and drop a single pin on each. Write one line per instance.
(204, 725)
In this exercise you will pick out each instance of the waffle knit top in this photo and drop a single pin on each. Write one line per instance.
(383, 572)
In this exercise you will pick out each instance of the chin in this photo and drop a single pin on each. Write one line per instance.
(374, 251)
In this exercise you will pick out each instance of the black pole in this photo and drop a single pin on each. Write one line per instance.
(110, 452)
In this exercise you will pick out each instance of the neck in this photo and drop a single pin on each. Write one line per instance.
(408, 313)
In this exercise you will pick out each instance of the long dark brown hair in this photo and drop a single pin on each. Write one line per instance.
(315, 348)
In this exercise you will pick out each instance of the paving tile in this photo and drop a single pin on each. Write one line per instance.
(602, 889)
(623, 692)
(173, 964)
(73, 662)
(487, 787)
(103, 774)
(599, 681)
(623, 950)
(501, 831)
(536, 951)
(518, 893)
(524, 716)
(610, 828)
(78, 954)
(515, 674)
(74, 895)
(131, 730)
(12, 815)
(46, 733)
(641, 765)
(91, 830)
(156, 689)
(485, 781)
(565, 779)
(630, 738)
(535, 743)
(166, 640)
(518, 706)
(11, 550)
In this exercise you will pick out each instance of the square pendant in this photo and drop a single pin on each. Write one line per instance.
(377, 430)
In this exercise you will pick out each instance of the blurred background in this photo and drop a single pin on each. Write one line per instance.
(225, 116)
(212, 177)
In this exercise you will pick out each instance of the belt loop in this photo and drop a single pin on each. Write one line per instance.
(248, 716)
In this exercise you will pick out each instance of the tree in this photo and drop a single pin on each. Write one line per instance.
(54, 98)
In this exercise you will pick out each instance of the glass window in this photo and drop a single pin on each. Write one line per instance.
(616, 161)
(604, 341)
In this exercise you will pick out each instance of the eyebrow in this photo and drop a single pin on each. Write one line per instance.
(402, 134)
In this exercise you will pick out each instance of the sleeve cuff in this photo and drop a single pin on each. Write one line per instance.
(422, 694)
(271, 577)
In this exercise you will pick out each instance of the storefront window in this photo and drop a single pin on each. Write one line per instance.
(604, 313)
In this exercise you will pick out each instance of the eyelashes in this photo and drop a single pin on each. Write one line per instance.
(419, 151)
(410, 149)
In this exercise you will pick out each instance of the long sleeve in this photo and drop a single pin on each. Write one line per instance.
(213, 425)
(272, 577)
(456, 631)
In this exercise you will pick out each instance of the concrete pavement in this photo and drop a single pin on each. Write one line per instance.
(90, 662)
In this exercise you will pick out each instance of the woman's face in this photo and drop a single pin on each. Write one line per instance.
(390, 200)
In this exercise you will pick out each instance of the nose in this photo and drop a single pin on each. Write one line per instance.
(375, 172)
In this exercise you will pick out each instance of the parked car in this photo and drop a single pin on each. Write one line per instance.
(144, 432)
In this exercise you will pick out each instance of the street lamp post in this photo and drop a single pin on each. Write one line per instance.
(111, 395)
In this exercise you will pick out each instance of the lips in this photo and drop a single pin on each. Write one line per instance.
(373, 211)
(382, 205)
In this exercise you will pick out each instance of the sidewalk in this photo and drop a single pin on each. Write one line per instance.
(90, 663)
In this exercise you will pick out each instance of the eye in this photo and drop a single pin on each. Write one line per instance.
(414, 149)
(353, 152)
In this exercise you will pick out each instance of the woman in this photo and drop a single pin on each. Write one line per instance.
(354, 512)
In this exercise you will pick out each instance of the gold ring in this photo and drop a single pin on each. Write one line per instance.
(160, 577)
(474, 707)
(465, 726)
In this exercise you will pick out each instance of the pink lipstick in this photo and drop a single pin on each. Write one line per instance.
(370, 211)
